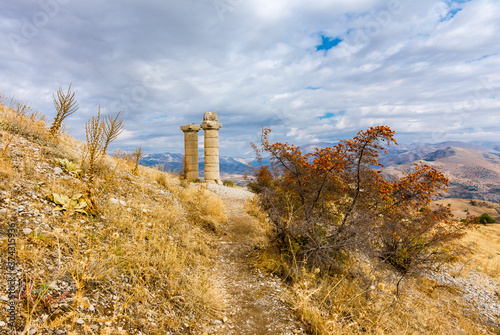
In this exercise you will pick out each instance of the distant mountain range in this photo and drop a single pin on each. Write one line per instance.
(230, 168)
(472, 174)
(472, 168)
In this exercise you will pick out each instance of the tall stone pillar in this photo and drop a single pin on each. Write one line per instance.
(191, 151)
(211, 128)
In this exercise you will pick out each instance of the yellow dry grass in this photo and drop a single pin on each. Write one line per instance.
(483, 242)
(362, 299)
(203, 207)
(461, 206)
(142, 264)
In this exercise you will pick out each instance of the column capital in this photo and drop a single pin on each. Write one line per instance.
(190, 127)
(210, 125)
(210, 121)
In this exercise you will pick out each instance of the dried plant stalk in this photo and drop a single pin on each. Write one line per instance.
(113, 127)
(137, 154)
(94, 133)
(65, 105)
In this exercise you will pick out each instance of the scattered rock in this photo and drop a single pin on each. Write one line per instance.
(2, 324)
(80, 321)
(4, 298)
(27, 231)
(58, 170)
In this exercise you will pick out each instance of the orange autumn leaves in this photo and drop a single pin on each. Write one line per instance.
(335, 198)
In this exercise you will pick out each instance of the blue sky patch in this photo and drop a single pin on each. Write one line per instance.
(455, 7)
(328, 115)
(327, 43)
(480, 58)
(312, 88)
(451, 2)
(451, 14)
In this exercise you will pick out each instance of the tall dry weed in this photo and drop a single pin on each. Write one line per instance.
(65, 105)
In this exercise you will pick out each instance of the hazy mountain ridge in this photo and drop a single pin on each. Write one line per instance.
(173, 162)
(473, 168)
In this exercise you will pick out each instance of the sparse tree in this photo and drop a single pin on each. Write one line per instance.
(332, 200)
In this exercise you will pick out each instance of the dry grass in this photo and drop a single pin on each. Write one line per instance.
(142, 264)
(29, 124)
(203, 207)
(484, 246)
(352, 303)
(361, 298)
(461, 206)
(483, 242)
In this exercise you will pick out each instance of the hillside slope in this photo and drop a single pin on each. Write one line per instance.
(137, 263)
(473, 174)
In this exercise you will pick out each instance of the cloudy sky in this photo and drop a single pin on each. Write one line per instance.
(313, 71)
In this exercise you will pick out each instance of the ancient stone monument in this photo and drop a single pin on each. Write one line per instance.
(191, 151)
(211, 128)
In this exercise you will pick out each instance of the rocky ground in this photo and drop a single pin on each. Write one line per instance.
(479, 291)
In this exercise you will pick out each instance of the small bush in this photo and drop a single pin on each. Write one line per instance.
(486, 218)
(228, 183)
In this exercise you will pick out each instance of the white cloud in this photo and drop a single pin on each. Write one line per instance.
(166, 63)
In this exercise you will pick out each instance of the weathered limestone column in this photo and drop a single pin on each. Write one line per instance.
(191, 150)
(211, 128)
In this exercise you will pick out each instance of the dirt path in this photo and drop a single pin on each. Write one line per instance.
(254, 299)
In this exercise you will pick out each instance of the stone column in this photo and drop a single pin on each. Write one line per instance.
(191, 151)
(211, 128)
